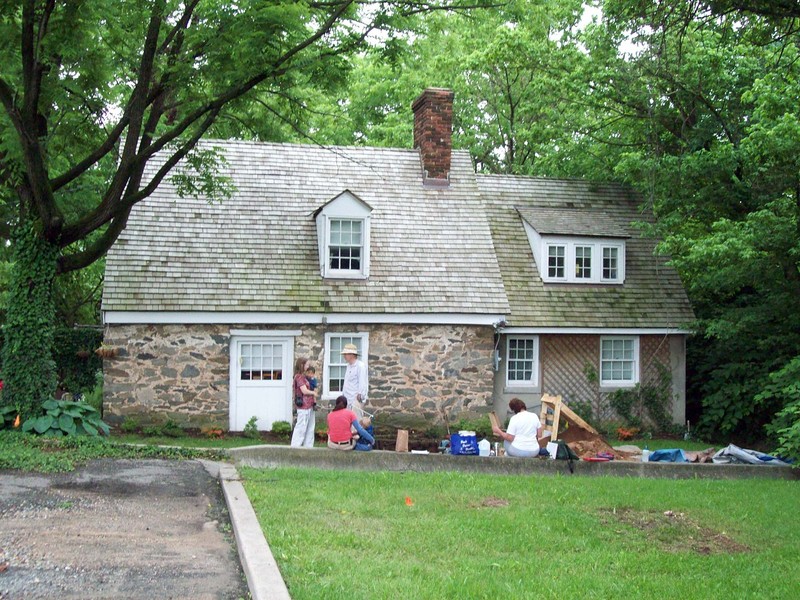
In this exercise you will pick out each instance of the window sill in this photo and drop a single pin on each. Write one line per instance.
(522, 389)
(613, 387)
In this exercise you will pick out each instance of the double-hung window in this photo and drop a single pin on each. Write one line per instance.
(610, 263)
(343, 237)
(522, 361)
(583, 262)
(619, 361)
(556, 257)
(335, 364)
(346, 246)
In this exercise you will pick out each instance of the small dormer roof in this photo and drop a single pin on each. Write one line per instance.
(573, 221)
(337, 198)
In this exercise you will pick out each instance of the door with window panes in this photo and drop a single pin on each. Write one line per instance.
(261, 380)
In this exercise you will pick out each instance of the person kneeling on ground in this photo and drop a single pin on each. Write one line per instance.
(521, 439)
(340, 435)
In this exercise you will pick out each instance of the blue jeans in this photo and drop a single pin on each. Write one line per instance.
(366, 441)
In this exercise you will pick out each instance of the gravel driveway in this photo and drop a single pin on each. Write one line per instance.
(117, 529)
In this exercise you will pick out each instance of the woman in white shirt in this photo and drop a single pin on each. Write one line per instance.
(521, 439)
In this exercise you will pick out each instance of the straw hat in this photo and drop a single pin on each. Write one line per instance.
(350, 349)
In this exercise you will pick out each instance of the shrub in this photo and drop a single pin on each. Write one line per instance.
(251, 429)
(94, 397)
(8, 415)
(283, 428)
(66, 417)
(482, 426)
(130, 425)
(784, 389)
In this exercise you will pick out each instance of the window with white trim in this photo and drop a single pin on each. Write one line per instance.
(522, 361)
(261, 361)
(343, 237)
(610, 263)
(583, 260)
(346, 245)
(335, 364)
(556, 255)
(619, 361)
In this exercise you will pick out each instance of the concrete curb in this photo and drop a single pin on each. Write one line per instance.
(380, 460)
(263, 576)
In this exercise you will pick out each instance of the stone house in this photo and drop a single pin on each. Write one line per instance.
(460, 290)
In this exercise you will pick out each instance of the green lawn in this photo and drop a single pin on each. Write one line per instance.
(343, 534)
(187, 441)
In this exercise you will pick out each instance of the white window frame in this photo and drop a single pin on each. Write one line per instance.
(570, 245)
(346, 273)
(602, 258)
(620, 383)
(337, 360)
(590, 258)
(564, 267)
(533, 382)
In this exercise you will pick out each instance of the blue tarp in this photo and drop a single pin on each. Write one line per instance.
(675, 455)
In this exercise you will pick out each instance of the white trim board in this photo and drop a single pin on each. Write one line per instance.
(117, 317)
(596, 330)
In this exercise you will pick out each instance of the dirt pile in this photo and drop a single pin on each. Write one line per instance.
(588, 445)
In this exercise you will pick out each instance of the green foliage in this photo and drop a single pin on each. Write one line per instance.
(94, 397)
(582, 408)
(481, 426)
(76, 362)
(169, 428)
(282, 428)
(47, 454)
(625, 402)
(130, 425)
(7, 416)
(251, 429)
(66, 418)
(783, 390)
(644, 405)
(29, 372)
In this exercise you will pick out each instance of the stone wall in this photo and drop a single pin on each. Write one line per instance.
(167, 371)
(418, 374)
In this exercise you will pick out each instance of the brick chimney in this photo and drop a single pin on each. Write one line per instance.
(433, 129)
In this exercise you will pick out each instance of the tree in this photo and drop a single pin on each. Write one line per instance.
(93, 92)
(708, 111)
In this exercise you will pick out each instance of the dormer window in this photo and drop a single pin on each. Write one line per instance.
(343, 236)
(346, 245)
(577, 260)
(576, 245)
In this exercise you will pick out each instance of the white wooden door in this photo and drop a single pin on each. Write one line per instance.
(261, 381)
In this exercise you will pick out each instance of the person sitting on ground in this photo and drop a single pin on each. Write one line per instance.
(340, 436)
(521, 439)
(361, 443)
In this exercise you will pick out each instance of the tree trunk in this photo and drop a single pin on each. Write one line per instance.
(29, 371)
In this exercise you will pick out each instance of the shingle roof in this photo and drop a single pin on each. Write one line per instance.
(458, 249)
(571, 220)
(652, 295)
(431, 249)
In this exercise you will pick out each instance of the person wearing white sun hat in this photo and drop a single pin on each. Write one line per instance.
(355, 380)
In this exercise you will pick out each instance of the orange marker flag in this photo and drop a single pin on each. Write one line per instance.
(409, 501)
(16, 422)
